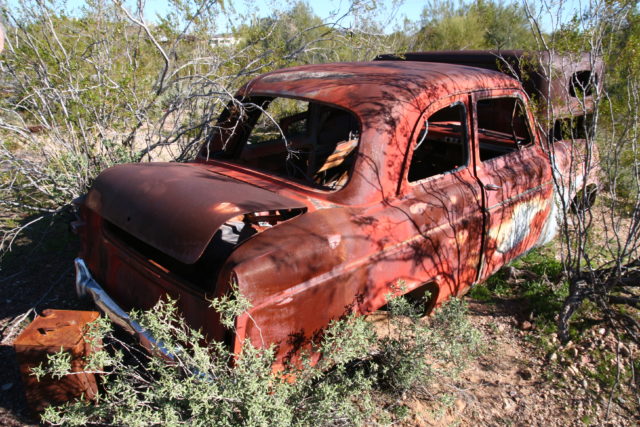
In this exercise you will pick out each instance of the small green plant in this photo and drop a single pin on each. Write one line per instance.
(230, 306)
(542, 289)
(480, 292)
(419, 350)
(542, 262)
(499, 286)
(446, 401)
(59, 366)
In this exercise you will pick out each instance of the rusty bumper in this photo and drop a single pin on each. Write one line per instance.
(87, 286)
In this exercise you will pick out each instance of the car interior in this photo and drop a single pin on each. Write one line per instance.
(305, 141)
(441, 145)
(502, 127)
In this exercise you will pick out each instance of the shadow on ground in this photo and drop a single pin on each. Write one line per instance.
(36, 274)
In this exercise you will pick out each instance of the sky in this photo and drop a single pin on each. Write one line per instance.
(392, 16)
(323, 8)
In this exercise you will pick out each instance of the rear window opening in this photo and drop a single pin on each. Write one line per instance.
(203, 274)
(305, 141)
(582, 83)
(572, 128)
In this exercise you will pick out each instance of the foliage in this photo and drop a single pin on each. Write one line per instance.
(536, 280)
(447, 339)
(599, 243)
(477, 24)
(204, 384)
(88, 89)
(230, 306)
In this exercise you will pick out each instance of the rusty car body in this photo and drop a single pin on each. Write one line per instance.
(364, 175)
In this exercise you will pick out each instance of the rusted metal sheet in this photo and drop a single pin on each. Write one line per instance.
(158, 202)
(340, 251)
(374, 89)
(50, 333)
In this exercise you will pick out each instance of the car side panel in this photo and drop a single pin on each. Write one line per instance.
(431, 236)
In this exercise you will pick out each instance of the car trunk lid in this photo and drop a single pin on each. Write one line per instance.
(177, 208)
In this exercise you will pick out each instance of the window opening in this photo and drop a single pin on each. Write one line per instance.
(572, 128)
(582, 83)
(502, 126)
(310, 142)
(441, 144)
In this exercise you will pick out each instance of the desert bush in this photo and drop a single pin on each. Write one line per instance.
(599, 244)
(446, 25)
(87, 89)
(355, 379)
(417, 352)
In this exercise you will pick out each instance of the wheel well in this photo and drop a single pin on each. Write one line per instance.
(584, 198)
(421, 291)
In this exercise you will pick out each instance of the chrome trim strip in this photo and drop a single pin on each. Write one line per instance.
(87, 286)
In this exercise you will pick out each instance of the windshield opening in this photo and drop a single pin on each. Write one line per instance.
(306, 141)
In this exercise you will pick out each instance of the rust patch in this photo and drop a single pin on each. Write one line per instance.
(53, 331)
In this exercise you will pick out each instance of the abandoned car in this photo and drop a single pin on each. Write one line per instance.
(322, 188)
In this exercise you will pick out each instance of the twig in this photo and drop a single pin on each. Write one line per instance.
(15, 323)
(615, 385)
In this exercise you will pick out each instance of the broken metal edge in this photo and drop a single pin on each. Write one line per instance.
(87, 286)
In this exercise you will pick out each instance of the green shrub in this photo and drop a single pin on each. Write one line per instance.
(205, 384)
(480, 292)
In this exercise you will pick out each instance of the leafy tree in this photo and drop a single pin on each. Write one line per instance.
(483, 24)
(506, 25)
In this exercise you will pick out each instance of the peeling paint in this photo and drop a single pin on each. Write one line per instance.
(334, 240)
(304, 75)
(551, 224)
(512, 232)
(418, 208)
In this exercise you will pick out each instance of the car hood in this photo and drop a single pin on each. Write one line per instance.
(176, 208)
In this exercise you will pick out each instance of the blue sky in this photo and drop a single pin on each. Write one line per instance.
(323, 8)
(392, 16)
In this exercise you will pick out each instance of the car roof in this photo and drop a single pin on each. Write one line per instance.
(364, 87)
(549, 76)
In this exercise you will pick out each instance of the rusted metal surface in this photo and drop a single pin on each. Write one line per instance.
(547, 76)
(86, 286)
(160, 201)
(315, 255)
(53, 331)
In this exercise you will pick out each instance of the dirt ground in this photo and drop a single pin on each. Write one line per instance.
(512, 383)
(37, 274)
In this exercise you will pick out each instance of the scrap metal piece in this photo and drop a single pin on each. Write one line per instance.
(50, 333)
